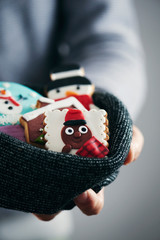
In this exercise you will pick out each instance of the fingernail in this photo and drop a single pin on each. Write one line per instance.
(82, 198)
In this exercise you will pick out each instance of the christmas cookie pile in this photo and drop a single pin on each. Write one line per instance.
(65, 121)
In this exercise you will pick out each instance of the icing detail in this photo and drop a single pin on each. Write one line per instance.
(64, 91)
(9, 106)
(54, 123)
(92, 106)
(33, 94)
(69, 131)
(74, 117)
(20, 97)
(11, 99)
(97, 118)
(59, 104)
(33, 106)
(93, 148)
(40, 139)
(46, 100)
(6, 84)
(9, 119)
(83, 129)
(67, 74)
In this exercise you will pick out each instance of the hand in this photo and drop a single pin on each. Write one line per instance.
(136, 146)
(45, 217)
(89, 202)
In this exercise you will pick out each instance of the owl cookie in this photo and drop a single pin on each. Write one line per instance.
(15, 100)
(76, 131)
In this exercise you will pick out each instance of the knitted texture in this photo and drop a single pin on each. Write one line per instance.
(45, 182)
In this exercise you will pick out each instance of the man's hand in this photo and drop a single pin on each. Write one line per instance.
(91, 203)
(45, 217)
(136, 146)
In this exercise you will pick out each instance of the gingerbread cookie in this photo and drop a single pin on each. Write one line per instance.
(68, 130)
(43, 101)
(15, 100)
(33, 121)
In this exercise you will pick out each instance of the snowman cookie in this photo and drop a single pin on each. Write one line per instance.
(69, 80)
(69, 131)
(15, 100)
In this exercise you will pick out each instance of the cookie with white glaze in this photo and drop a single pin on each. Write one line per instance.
(15, 100)
(68, 130)
(70, 80)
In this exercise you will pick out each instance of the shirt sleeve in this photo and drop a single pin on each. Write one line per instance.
(102, 36)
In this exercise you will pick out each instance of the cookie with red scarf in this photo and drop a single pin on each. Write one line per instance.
(69, 130)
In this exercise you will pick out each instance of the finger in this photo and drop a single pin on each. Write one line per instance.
(45, 217)
(136, 146)
(89, 202)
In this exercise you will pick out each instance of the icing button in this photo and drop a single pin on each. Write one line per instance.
(33, 106)
(33, 94)
(6, 85)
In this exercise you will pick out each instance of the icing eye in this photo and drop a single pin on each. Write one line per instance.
(69, 131)
(6, 102)
(10, 107)
(78, 87)
(57, 90)
(83, 129)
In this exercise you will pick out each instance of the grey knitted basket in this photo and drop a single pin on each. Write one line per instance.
(45, 182)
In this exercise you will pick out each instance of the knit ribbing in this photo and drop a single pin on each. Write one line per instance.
(40, 181)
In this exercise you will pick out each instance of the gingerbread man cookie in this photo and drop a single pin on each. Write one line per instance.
(68, 130)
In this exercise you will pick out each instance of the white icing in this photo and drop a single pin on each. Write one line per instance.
(95, 121)
(64, 91)
(33, 94)
(67, 74)
(6, 85)
(46, 100)
(33, 106)
(59, 104)
(92, 106)
(9, 119)
(54, 123)
(4, 108)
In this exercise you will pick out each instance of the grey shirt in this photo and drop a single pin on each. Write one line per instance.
(101, 35)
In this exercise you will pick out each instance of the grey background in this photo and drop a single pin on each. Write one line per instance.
(131, 208)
